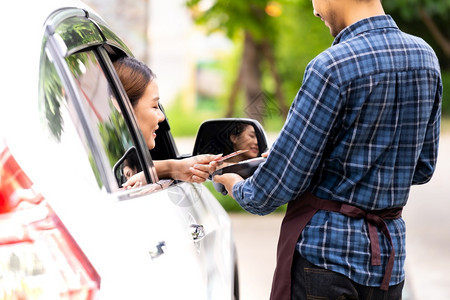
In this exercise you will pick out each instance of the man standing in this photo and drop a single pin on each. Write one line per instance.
(362, 129)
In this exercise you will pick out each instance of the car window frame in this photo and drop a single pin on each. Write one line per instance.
(166, 147)
(57, 50)
(127, 112)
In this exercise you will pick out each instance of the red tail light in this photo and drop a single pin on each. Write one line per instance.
(39, 259)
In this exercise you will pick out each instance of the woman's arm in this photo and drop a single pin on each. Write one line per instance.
(192, 169)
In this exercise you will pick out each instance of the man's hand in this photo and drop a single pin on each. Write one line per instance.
(228, 180)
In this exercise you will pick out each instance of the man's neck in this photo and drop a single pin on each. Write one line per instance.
(358, 10)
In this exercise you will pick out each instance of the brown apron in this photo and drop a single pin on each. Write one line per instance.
(300, 211)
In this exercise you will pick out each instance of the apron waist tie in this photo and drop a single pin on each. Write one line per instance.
(299, 213)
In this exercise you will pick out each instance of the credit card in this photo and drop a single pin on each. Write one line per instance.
(233, 154)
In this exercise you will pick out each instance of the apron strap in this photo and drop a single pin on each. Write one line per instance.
(300, 212)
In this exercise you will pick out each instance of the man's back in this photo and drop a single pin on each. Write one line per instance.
(362, 129)
(388, 85)
(379, 90)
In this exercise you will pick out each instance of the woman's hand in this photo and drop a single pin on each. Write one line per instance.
(195, 169)
(135, 181)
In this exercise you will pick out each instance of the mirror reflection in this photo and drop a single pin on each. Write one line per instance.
(236, 139)
(243, 138)
(127, 166)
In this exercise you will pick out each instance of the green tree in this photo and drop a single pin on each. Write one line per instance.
(301, 37)
(433, 25)
(430, 20)
(252, 24)
(275, 50)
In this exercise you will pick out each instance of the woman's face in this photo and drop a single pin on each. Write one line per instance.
(128, 172)
(246, 141)
(148, 114)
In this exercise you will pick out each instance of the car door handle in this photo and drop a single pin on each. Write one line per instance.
(197, 231)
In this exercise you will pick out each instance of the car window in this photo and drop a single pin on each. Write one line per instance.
(104, 116)
(55, 104)
(78, 80)
(87, 100)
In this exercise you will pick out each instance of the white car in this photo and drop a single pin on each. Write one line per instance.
(67, 229)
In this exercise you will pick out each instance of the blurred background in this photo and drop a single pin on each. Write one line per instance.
(217, 58)
(222, 58)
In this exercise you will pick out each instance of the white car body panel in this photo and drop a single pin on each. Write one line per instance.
(115, 235)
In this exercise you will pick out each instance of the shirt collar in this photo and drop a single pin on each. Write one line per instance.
(377, 22)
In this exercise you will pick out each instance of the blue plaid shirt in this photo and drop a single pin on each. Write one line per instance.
(362, 129)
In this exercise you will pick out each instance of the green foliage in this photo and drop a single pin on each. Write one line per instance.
(298, 36)
(409, 9)
(115, 135)
(77, 31)
(445, 125)
(74, 32)
(183, 123)
(301, 36)
(229, 204)
(50, 97)
(233, 16)
(287, 33)
(410, 16)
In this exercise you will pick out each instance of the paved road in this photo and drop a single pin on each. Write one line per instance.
(427, 216)
(256, 239)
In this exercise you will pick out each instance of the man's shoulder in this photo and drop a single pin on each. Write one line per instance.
(333, 58)
(341, 52)
(369, 50)
(417, 41)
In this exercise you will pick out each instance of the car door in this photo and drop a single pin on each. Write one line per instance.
(153, 243)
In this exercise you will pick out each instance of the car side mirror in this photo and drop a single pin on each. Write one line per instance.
(127, 166)
(228, 135)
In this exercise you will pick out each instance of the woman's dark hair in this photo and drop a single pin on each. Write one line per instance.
(135, 77)
(238, 129)
(132, 161)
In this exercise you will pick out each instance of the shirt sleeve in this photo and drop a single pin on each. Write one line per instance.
(427, 159)
(297, 152)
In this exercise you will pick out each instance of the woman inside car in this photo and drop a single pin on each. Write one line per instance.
(243, 137)
(140, 85)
